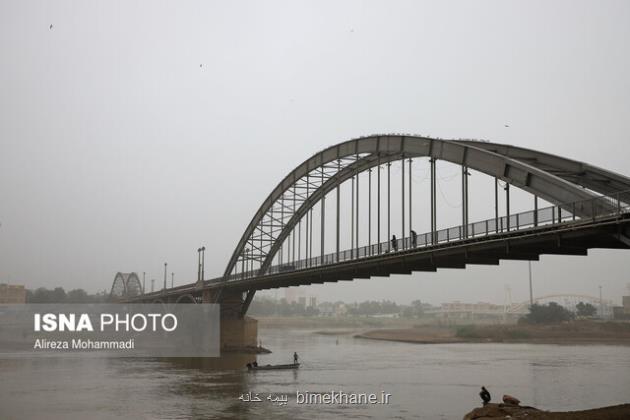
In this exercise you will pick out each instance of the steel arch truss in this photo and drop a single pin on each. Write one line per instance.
(557, 180)
(580, 173)
(560, 181)
(125, 285)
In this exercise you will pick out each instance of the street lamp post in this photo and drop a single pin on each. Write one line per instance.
(165, 267)
(203, 262)
(198, 264)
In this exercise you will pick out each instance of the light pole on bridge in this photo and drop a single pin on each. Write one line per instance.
(203, 262)
(198, 265)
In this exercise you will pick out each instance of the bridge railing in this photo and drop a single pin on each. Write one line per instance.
(575, 212)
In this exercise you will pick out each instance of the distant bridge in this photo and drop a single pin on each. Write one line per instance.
(561, 299)
(590, 208)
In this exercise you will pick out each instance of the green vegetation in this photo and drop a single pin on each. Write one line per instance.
(271, 307)
(492, 332)
(373, 307)
(59, 295)
(517, 334)
(413, 311)
(547, 314)
(267, 307)
(467, 331)
(585, 309)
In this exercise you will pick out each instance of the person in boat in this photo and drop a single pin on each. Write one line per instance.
(485, 395)
(295, 357)
(394, 243)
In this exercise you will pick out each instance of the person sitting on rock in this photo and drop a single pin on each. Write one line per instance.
(485, 395)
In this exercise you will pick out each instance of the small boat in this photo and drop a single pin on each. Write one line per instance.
(273, 367)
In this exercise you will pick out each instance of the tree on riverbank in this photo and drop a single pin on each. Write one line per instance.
(547, 314)
(415, 310)
(585, 309)
(59, 295)
(271, 307)
(373, 307)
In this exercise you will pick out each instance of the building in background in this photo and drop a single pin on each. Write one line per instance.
(12, 293)
(291, 294)
(332, 309)
(296, 295)
(623, 311)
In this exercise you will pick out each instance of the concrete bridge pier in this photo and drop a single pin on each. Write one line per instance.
(238, 333)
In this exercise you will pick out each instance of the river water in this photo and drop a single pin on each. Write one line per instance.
(439, 381)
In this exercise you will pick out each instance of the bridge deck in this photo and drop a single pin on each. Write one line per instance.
(573, 237)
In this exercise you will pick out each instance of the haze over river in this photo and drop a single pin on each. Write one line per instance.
(426, 381)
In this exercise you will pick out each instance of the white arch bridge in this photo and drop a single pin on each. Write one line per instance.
(332, 217)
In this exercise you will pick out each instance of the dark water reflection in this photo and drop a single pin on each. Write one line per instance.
(426, 381)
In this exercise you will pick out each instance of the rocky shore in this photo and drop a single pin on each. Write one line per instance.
(503, 411)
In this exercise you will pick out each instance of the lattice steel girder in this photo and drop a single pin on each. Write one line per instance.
(367, 150)
(126, 285)
(592, 177)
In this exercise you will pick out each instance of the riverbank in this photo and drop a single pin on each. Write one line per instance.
(577, 332)
(502, 411)
(335, 323)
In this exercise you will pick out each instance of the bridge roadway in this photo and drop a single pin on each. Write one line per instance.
(564, 237)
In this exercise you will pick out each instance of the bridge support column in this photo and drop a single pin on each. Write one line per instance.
(237, 332)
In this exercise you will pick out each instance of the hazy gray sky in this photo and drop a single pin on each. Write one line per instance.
(118, 151)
